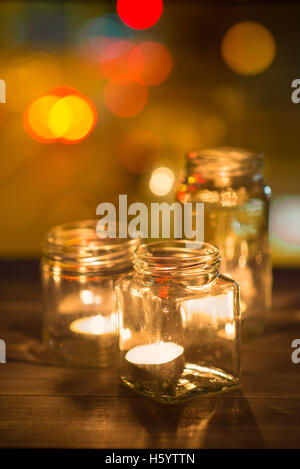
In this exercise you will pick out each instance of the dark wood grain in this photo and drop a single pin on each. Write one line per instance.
(43, 406)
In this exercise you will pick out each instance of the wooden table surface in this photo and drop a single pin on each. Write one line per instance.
(44, 406)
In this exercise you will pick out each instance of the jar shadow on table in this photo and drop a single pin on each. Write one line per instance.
(160, 421)
(225, 421)
(233, 425)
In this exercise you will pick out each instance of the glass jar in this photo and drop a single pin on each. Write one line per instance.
(178, 322)
(79, 271)
(236, 213)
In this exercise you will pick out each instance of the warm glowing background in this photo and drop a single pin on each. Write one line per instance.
(140, 93)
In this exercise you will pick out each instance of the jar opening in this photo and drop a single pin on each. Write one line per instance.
(78, 244)
(224, 161)
(180, 257)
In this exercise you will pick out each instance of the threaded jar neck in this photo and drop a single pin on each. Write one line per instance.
(224, 161)
(178, 259)
(77, 247)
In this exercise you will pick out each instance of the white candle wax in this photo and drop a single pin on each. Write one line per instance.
(154, 354)
(161, 361)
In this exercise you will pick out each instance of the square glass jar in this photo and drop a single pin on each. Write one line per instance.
(178, 323)
(230, 183)
(79, 272)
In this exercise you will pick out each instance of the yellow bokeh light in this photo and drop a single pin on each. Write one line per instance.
(60, 117)
(83, 118)
(161, 181)
(248, 48)
(36, 121)
(71, 118)
(63, 114)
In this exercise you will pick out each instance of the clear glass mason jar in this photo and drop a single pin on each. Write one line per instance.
(79, 271)
(236, 214)
(178, 322)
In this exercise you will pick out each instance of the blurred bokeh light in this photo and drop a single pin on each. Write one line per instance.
(117, 66)
(62, 114)
(161, 88)
(248, 48)
(148, 63)
(285, 228)
(140, 14)
(99, 33)
(161, 181)
(152, 61)
(36, 119)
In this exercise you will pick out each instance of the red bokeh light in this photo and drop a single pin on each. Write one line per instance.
(148, 63)
(116, 66)
(140, 14)
(152, 61)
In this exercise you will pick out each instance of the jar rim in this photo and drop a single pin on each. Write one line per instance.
(179, 256)
(79, 243)
(225, 160)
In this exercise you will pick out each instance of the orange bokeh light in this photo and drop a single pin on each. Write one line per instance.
(117, 66)
(125, 100)
(148, 63)
(36, 119)
(248, 48)
(63, 114)
(152, 60)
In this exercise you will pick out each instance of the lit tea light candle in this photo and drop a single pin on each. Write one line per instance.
(161, 361)
(94, 326)
(93, 340)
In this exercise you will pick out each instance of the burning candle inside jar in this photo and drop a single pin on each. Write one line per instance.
(92, 340)
(161, 362)
(92, 336)
(94, 326)
(81, 265)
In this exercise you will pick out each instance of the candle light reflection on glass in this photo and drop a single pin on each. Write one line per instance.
(210, 309)
(216, 310)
